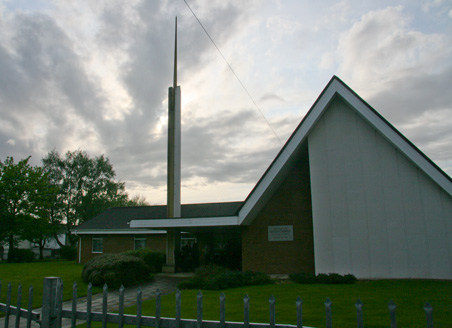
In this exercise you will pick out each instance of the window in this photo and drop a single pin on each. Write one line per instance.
(98, 245)
(187, 241)
(139, 242)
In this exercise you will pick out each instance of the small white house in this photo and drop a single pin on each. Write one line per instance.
(49, 247)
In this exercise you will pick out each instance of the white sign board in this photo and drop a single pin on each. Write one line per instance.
(280, 233)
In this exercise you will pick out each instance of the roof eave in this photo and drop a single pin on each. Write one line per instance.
(186, 222)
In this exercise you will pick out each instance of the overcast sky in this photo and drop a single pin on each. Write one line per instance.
(94, 75)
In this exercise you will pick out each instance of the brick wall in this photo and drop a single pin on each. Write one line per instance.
(290, 205)
(119, 243)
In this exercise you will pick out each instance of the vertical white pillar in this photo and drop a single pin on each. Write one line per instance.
(174, 154)
(174, 171)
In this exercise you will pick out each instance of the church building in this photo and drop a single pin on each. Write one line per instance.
(347, 193)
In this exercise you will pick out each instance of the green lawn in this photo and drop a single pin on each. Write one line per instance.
(409, 295)
(32, 274)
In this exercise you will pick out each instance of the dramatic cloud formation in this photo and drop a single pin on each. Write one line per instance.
(404, 73)
(94, 75)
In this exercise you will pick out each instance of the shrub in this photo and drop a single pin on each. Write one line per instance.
(322, 278)
(214, 277)
(206, 271)
(303, 278)
(350, 279)
(68, 253)
(229, 255)
(20, 255)
(154, 260)
(115, 270)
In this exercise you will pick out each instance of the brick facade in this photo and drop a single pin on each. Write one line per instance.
(290, 205)
(119, 243)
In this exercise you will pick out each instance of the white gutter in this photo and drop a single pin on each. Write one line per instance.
(186, 223)
(118, 232)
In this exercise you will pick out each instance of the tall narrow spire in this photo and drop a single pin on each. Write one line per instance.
(175, 57)
(174, 163)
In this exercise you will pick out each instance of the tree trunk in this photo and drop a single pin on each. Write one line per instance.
(41, 249)
(58, 241)
(11, 247)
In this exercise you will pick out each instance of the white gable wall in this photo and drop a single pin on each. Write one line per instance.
(374, 213)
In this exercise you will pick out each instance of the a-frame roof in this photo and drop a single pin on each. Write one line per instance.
(278, 169)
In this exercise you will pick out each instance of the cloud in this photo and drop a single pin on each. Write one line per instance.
(403, 73)
(271, 97)
(44, 88)
(381, 48)
(95, 76)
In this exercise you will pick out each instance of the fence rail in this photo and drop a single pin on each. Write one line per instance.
(53, 312)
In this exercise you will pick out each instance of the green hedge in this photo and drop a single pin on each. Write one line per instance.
(21, 255)
(68, 253)
(154, 260)
(116, 270)
(322, 278)
(215, 278)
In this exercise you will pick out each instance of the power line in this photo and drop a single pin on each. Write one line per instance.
(233, 72)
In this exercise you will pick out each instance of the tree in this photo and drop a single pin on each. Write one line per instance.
(25, 195)
(86, 187)
(40, 229)
(137, 200)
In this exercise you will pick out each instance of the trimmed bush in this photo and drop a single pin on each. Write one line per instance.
(20, 255)
(115, 270)
(322, 278)
(154, 260)
(68, 253)
(303, 278)
(214, 277)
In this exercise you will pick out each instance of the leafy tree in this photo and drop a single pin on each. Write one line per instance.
(137, 200)
(41, 229)
(86, 187)
(25, 195)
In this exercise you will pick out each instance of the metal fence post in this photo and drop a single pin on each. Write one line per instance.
(299, 304)
(359, 313)
(392, 314)
(49, 299)
(429, 314)
(329, 320)
(272, 302)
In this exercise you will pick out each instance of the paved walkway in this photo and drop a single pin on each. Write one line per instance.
(166, 283)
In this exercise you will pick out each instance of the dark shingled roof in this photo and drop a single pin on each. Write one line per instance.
(119, 217)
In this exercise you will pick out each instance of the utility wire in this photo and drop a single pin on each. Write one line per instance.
(233, 72)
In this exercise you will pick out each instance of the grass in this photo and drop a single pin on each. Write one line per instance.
(32, 274)
(409, 295)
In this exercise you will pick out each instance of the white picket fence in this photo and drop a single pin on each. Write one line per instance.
(53, 312)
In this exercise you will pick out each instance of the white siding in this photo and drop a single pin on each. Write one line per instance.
(375, 214)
